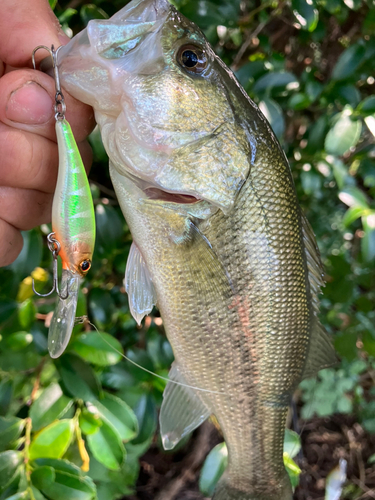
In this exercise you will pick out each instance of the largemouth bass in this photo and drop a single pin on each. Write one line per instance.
(220, 243)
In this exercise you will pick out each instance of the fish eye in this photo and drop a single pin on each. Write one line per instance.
(85, 265)
(192, 58)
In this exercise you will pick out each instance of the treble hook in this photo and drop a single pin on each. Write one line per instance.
(60, 106)
(55, 248)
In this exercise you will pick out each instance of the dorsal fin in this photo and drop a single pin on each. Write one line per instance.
(321, 353)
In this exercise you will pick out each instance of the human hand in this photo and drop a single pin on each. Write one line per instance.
(28, 149)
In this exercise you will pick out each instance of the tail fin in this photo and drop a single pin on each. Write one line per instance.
(224, 491)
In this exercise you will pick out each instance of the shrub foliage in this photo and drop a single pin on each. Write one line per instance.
(75, 427)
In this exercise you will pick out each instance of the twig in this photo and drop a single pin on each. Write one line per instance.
(246, 44)
(369, 492)
(194, 460)
(73, 4)
(39, 370)
(107, 191)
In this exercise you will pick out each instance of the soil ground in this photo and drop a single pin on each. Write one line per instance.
(167, 476)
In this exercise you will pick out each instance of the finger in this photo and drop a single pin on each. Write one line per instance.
(25, 208)
(25, 25)
(28, 104)
(11, 243)
(30, 161)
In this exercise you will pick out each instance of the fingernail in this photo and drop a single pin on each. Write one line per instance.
(30, 104)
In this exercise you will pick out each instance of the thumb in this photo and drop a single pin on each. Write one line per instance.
(23, 26)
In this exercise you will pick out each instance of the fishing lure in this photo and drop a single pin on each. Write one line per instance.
(73, 224)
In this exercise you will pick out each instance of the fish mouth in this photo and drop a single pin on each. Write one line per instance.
(158, 194)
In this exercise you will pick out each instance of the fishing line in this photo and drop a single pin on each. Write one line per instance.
(84, 319)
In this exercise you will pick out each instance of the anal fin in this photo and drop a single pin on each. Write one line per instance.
(182, 410)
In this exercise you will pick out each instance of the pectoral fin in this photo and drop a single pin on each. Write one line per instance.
(138, 285)
(182, 410)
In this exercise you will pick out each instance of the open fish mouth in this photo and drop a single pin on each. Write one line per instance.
(154, 193)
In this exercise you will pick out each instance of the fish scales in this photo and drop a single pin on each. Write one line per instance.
(219, 238)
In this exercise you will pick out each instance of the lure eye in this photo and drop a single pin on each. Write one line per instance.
(192, 58)
(85, 265)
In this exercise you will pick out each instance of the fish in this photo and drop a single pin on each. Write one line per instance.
(220, 243)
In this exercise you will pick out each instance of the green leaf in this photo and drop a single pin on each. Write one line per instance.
(340, 171)
(109, 227)
(344, 134)
(117, 414)
(292, 443)
(313, 90)
(9, 463)
(51, 405)
(353, 197)
(211, 13)
(368, 26)
(14, 485)
(23, 495)
(278, 81)
(213, 468)
(68, 486)
(102, 307)
(90, 11)
(292, 469)
(367, 106)
(43, 476)
(53, 440)
(316, 135)
(10, 429)
(66, 15)
(6, 392)
(368, 245)
(306, 14)
(299, 101)
(7, 308)
(352, 215)
(106, 446)
(311, 182)
(26, 313)
(348, 62)
(19, 340)
(31, 254)
(350, 94)
(370, 122)
(59, 465)
(78, 377)
(89, 422)
(98, 349)
(368, 343)
(274, 114)
(145, 412)
(27, 359)
(353, 4)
